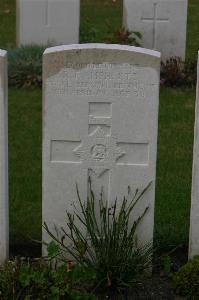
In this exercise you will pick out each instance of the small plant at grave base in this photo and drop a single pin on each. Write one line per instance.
(176, 73)
(37, 280)
(105, 245)
(25, 66)
(8, 280)
(124, 37)
(186, 280)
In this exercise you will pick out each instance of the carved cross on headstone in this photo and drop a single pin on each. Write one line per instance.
(99, 151)
(155, 20)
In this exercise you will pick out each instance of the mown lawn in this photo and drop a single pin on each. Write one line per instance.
(174, 166)
(193, 29)
(99, 18)
(25, 165)
(7, 24)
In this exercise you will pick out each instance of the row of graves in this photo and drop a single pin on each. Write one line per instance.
(100, 120)
(162, 23)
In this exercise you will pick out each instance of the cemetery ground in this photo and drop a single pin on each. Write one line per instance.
(175, 142)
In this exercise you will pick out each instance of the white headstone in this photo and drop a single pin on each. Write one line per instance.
(194, 216)
(48, 21)
(4, 223)
(100, 120)
(162, 23)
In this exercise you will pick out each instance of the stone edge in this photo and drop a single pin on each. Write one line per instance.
(3, 53)
(192, 250)
(133, 49)
(4, 153)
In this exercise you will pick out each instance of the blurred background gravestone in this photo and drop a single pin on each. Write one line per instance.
(162, 24)
(54, 22)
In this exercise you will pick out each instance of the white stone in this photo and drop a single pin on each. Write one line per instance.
(162, 23)
(4, 222)
(48, 21)
(194, 216)
(100, 119)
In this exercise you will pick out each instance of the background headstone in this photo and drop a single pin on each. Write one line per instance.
(100, 120)
(194, 216)
(4, 222)
(48, 21)
(162, 22)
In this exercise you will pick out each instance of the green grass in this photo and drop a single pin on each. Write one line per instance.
(174, 165)
(104, 16)
(193, 29)
(175, 143)
(25, 164)
(7, 24)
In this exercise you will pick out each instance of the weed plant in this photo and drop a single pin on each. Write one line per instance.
(124, 36)
(104, 242)
(25, 66)
(176, 73)
(31, 280)
(186, 280)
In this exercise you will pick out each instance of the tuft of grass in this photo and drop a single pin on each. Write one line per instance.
(102, 240)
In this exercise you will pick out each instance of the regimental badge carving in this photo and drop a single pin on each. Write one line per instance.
(99, 151)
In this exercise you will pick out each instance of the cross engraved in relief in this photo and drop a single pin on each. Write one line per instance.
(155, 20)
(99, 151)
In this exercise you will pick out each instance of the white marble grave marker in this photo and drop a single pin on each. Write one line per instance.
(4, 222)
(100, 108)
(48, 21)
(194, 216)
(162, 23)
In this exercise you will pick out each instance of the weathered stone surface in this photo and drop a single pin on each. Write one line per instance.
(4, 222)
(100, 111)
(48, 21)
(194, 216)
(162, 22)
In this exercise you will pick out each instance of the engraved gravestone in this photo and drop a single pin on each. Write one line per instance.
(100, 109)
(162, 24)
(4, 232)
(194, 217)
(48, 21)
